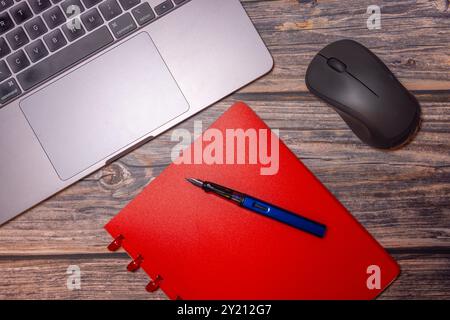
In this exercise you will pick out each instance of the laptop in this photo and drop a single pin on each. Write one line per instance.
(82, 82)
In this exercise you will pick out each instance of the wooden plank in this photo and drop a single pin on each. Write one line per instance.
(413, 40)
(105, 277)
(46, 278)
(423, 276)
(401, 197)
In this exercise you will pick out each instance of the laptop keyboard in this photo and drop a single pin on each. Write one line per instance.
(41, 38)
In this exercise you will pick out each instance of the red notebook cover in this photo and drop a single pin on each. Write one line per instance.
(198, 246)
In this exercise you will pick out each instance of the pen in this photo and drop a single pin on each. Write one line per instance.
(263, 208)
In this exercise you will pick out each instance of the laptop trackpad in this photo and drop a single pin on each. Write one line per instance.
(104, 106)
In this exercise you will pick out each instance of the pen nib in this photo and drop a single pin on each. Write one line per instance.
(195, 182)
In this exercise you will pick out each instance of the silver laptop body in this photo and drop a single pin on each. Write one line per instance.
(78, 92)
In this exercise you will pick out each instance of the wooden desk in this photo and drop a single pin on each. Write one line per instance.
(401, 197)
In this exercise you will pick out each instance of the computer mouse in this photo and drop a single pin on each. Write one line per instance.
(365, 93)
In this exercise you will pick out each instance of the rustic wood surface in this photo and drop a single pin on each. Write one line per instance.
(401, 197)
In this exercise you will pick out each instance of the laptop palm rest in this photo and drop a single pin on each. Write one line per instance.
(104, 106)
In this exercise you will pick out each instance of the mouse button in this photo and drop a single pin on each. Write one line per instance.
(316, 63)
(337, 65)
(371, 71)
(337, 49)
(317, 59)
(361, 63)
(319, 74)
(339, 89)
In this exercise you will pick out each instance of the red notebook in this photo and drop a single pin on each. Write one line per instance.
(195, 245)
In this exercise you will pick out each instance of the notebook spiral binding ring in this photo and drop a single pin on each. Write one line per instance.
(135, 264)
(154, 285)
(116, 244)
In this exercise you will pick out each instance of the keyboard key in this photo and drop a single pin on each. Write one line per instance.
(178, 2)
(21, 12)
(73, 29)
(4, 4)
(5, 22)
(72, 7)
(64, 58)
(4, 71)
(4, 48)
(35, 28)
(9, 90)
(143, 13)
(55, 40)
(164, 7)
(110, 9)
(90, 3)
(39, 5)
(122, 25)
(17, 38)
(18, 61)
(91, 19)
(54, 17)
(36, 50)
(127, 4)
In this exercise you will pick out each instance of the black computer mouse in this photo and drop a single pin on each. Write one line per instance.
(365, 93)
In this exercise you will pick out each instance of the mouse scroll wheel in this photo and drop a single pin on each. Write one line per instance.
(337, 65)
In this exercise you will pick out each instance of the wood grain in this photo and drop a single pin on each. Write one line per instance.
(104, 277)
(413, 41)
(401, 197)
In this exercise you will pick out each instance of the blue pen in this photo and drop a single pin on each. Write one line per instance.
(262, 208)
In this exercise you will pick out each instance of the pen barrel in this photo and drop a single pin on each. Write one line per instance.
(284, 216)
